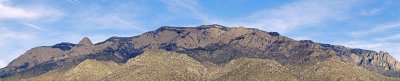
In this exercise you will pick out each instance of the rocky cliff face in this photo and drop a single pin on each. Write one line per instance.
(375, 61)
(213, 44)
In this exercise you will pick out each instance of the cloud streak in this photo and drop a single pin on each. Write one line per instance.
(282, 19)
(371, 11)
(386, 42)
(389, 47)
(93, 16)
(377, 29)
(13, 43)
(190, 8)
(8, 12)
(34, 26)
(395, 37)
(74, 1)
(28, 12)
(127, 23)
(301, 14)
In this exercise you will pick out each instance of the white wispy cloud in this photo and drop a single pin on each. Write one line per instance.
(364, 44)
(378, 28)
(28, 12)
(7, 37)
(74, 1)
(287, 17)
(370, 12)
(392, 48)
(8, 12)
(127, 23)
(302, 13)
(7, 34)
(394, 37)
(388, 43)
(13, 43)
(114, 16)
(106, 21)
(190, 8)
(34, 26)
(3, 1)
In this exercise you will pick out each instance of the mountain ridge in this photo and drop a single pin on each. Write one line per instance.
(156, 64)
(215, 44)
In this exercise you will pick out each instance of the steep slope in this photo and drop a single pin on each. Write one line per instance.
(85, 41)
(88, 70)
(250, 69)
(335, 70)
(152, 65)
(207, 44)
(70, 56)
(91, 70)
(160, 66)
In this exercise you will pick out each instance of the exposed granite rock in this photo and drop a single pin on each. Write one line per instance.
(374, 61)
(51, 57)
(36, 56)
(85, 41)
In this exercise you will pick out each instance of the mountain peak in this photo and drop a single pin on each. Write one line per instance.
(85, 41)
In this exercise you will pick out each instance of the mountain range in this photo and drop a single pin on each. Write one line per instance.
(202, 53)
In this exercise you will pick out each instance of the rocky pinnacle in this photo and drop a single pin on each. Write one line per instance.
(85, 41)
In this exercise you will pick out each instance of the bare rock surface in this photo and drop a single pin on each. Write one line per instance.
(85, 41)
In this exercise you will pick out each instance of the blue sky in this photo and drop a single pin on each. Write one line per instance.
(367, 24)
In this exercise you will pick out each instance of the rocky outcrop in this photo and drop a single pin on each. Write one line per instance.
(56, 56)
(85, 46)
(374, 61)
(85, 41)
(214, 44)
